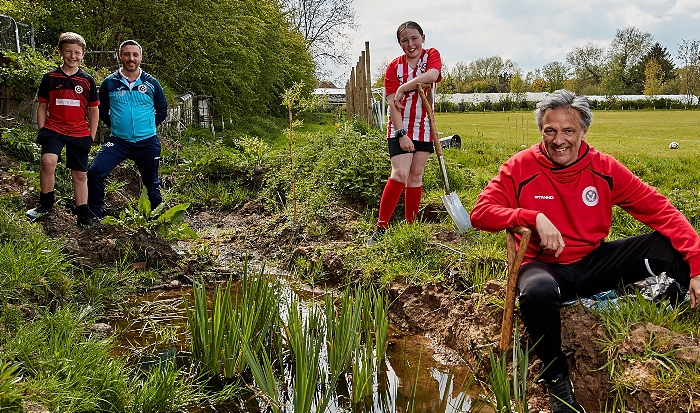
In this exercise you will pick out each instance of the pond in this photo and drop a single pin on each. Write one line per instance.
(154, 326)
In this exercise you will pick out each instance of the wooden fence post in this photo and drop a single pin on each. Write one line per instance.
(358, 90)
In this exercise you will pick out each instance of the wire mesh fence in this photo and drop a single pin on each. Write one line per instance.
(15, 36)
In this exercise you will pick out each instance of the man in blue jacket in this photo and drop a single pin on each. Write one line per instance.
(132, 104)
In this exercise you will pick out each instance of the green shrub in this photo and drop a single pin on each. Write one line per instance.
(20, 144)
(240, 160)
(166, 224)
(22, 72)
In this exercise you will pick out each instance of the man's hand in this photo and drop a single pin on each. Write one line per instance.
(694, 290)
(551, 239)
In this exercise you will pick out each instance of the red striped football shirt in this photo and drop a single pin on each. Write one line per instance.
(415, 118)
(68, 98)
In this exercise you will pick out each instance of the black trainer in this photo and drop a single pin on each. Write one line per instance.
(561, 395)
(38, 212)
(46, 201)
(375, 237)
(86, 218)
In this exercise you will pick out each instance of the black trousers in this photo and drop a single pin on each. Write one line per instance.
(543, 287)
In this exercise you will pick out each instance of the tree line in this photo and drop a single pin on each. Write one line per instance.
(633, 63)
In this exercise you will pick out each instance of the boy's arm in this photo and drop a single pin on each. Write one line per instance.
(104, 104)
(41, 111)
(94, 114)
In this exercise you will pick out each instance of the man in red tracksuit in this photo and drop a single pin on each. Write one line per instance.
(564, 190)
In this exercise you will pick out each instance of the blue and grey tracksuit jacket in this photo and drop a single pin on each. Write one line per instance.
(132, 114)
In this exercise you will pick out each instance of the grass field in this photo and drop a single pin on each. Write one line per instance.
(620, 133)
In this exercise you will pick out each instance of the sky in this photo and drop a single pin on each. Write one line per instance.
(531, 33)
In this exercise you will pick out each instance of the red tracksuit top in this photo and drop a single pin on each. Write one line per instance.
(578, 199)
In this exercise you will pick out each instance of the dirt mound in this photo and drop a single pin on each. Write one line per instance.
(104, 244)
(471, 324)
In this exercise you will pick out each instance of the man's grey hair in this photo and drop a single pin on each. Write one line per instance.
(562, 98)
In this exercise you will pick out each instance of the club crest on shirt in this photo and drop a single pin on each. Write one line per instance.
(590, 196)
(423, 65)
(78, 89)
(142, 88)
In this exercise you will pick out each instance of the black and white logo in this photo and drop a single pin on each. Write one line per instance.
(142, 88)
(78, 89)
(590, 196)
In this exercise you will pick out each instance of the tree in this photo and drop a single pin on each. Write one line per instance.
(538, 85)
(325, 26)
(587, 64)
(626, 51)
(689, 55)
(660, 55)
(555, 73)
(653, 78)
(491, 74)
(23, 11)
(518, 85)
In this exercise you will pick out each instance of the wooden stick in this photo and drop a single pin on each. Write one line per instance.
(514, 261)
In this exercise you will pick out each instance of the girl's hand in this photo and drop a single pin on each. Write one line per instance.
(406, 144)
(398, 99)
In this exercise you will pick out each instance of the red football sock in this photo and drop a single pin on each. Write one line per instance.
(411, 201)
(390, 197)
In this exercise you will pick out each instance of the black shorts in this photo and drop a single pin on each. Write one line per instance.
(418, 146)
(77, 149)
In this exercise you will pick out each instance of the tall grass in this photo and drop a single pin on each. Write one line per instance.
(64, 370)
(165, 389)
(32, 265)
(304, 335)
(241, 334)
(218, 333)
(341, 330)
(10, 393)
(510, 388)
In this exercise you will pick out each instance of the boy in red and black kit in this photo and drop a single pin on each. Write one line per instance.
(66, 95)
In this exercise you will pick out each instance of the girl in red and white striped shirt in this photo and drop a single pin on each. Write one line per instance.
(408, 130)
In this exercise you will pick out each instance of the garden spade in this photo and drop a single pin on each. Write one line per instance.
(451, 201)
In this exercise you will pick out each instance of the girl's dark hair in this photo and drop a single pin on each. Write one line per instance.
(408, 25)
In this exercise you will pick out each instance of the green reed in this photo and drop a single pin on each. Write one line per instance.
(304, 335)
(341, 330)
(264, 375)
(254, 319)
(381, 323)
(251, 317)
(510, 390)
(208, 330)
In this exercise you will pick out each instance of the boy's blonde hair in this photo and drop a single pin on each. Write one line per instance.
(71, 38)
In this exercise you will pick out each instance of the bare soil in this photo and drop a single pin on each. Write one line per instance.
(465, 327)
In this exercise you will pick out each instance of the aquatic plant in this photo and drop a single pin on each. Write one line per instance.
(341, 330)
(510, 389)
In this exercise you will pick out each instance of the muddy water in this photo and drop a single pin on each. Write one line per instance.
(154, 325)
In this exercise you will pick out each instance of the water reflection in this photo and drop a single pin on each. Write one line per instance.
(154, 325)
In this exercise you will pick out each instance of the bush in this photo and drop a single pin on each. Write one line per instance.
(22, 72)
(353, 165)
(20, 144)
